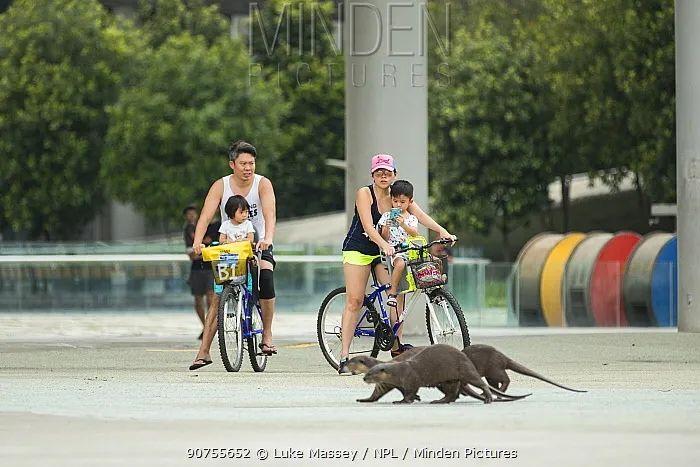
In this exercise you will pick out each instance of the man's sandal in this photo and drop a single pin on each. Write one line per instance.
(268, 350)
(199, 363)
(391, 301)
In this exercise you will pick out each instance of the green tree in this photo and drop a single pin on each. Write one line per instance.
(160, 19)
(310, 75)
(487, 145)
(643, 65)
(169, 133)
(60, 65)
(586, 124)
(610, 69)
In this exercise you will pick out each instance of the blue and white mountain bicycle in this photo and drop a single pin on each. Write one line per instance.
(375, 332)
(239, 317)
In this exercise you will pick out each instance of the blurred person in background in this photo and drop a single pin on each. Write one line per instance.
(201, 278)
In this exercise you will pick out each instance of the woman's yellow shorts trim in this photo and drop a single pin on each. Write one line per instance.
(358, 259)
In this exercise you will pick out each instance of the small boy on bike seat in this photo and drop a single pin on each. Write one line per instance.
(396, 226)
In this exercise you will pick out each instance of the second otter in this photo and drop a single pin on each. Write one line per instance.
(435, 366)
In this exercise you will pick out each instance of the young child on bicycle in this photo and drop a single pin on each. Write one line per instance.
(396, 226)
(237, 227)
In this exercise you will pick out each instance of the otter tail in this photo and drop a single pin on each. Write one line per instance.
(523, 370)
(508, 397)
(501, 396)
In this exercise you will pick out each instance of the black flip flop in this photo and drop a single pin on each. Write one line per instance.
(271, 350)
(197, 366)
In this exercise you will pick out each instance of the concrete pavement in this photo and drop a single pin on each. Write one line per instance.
(128, 399)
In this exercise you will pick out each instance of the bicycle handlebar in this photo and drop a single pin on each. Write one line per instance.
(442, 241)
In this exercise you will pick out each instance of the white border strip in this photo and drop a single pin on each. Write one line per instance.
(174, 258)
(145, 258)
(92, 258)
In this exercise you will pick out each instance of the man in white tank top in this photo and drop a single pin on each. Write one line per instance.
(259, 193)
(255, 214)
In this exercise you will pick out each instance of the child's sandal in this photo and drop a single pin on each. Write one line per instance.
(391, 301)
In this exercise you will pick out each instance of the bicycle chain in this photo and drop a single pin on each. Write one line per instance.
(383, 335)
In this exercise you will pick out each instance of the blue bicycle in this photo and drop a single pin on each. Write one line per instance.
(375, 332)
(239, 319)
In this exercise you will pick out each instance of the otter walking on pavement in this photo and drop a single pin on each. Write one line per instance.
(437, 365)
(363, 363)
(492, 364)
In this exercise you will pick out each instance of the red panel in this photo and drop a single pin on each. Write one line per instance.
(605, 290)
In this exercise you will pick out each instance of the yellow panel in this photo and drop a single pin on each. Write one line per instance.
(552, 275)
(243, 248)
(225, 271)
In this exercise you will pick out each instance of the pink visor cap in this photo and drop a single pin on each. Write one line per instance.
(382, 161)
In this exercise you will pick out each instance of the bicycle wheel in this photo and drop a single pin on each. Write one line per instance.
(328, 327)
(258, 360)
(445, 320)
(229, 327)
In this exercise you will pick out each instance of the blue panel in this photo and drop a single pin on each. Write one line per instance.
(664, 285)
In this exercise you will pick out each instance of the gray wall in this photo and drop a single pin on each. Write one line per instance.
(688, 162)
(386, 108)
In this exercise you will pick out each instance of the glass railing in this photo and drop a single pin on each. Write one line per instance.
(490, 294)
(115, 281)
(160, 246)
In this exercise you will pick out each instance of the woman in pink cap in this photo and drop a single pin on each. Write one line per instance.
(363, 242)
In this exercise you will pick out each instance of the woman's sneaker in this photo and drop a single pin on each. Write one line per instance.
(343, 367)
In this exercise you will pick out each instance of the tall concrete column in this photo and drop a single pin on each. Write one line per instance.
(386, 92)
(688, 162)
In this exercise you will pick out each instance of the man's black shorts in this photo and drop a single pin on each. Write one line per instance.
(201, 281)
(266, 255)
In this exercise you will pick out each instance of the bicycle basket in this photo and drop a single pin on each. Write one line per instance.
(427, 274)
(229, 261)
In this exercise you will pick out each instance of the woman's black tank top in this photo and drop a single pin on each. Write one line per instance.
(357, 239)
